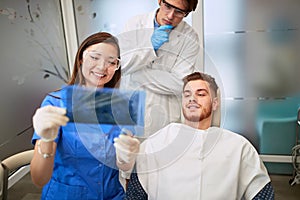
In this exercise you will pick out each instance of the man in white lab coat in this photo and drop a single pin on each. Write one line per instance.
(158, 49)
(194, 160)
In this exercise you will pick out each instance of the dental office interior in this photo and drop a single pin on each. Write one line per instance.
(250, 47)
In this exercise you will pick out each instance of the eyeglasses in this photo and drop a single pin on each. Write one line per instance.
(95, 58)
(177, 11)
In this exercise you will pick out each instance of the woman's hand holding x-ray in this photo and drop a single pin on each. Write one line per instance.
(127, 147)
(47, 120)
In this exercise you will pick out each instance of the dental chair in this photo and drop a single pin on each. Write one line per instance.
(277, 131)
(216, 119)
(12, 165)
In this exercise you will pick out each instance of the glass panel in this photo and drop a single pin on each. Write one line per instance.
(272, 15)
(226, 53)
(272, 63)
(255, 64)
(254, 15)
(240, 118)
(253, 47)
(223, 16)
(33, 62)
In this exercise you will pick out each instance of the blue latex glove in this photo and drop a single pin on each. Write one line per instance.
(160, 36)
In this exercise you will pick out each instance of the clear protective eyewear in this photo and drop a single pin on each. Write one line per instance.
(95, 58)
(177, 11)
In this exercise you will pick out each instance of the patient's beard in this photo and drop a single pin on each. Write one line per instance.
(203, 114)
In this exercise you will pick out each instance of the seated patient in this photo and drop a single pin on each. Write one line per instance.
(196, 161)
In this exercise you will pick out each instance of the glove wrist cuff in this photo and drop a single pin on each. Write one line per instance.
(47, 140)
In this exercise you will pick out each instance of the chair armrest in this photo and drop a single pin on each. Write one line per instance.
(18, 160)
(12, 163)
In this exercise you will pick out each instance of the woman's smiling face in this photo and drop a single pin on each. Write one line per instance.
(99, 63)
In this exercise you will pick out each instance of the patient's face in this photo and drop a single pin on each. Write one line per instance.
(197, 101)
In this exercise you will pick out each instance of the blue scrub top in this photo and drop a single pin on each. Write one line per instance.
(84, 164)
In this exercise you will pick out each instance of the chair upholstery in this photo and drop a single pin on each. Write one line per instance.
(277, 127)
(12, 164)
(216, 120)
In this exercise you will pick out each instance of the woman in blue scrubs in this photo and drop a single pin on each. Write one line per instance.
(68, 163)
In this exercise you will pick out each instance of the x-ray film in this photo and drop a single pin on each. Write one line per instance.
(105, 106)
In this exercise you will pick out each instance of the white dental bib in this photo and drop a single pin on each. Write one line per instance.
(180, 162)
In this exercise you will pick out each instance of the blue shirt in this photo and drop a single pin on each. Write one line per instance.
(84, 164)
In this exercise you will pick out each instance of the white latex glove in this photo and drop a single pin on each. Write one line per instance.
(47, 120)
(127, 147)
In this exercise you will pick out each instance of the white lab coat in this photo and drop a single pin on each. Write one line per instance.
(180, 162)
(159, 73)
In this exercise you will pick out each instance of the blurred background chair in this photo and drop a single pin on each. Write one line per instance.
(277, 131)
(12, 169)
(277, 137)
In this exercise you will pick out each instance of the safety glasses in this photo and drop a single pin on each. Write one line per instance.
(177, 11)
(98, 58)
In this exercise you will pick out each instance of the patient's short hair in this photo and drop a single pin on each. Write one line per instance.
(201, 76)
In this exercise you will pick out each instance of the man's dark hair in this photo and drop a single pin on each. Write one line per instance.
(201, 76)
(192, 5)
